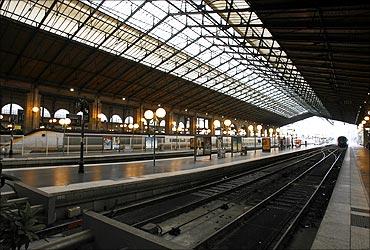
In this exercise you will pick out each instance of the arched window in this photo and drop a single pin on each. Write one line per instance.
(61, 113)
(44, 111)
(181, 125)
(162, 123)
(80, 113)
(6, 109)
(102, 117)
(129, 120)
(116, 119)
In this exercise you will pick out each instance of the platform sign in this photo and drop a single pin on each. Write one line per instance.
(236, 144)
(107, 142)
(207, 145)
(266, 144)
(116, 143)
(220, 147)
(202, 146)
(149, 142)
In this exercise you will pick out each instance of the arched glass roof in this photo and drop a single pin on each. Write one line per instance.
(228, 51)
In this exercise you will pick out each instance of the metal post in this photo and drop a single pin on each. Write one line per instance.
(232, 146)
(255, 143)
(64, 135)
(68, 145)
(154, 120)
(47, 144)
(22, 145)
(83, 106)
(11, 140)
(87, 145)
(81, 163)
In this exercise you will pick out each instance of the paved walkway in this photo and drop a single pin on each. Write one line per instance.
(346, 221)
(68, 174)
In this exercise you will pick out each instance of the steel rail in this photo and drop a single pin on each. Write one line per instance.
(233, 224)
(127, 208)
(301, 212)
(200, 202)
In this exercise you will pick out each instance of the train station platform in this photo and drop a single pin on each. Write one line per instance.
(66, 176)
(53, 159)
(346, 222)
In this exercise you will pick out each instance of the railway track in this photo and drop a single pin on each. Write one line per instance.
(197, 217)
(193, 217)
(267, 224)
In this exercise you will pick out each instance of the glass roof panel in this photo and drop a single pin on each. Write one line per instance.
(176, 37)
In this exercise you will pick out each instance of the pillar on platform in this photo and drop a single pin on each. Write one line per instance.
(210, 125)
(32, 110)
(193, 125)
(170, 118)
(94, 111)
(139, 115)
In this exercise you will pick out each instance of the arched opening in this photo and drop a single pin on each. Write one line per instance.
(44, 112)
(129, 120)
(115, 119)
(5, 110)
(61, 113)
(102, 117)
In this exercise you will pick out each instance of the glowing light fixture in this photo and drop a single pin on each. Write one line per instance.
(259, 127)
(160, 112)
(148, 114)
(35, 109)
(227, 122)
(216, 123)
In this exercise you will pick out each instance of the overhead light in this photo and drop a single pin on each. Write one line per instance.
(227, 122)
(159, 105)
(123, 98)
(72, 89)
(366, 118)
(35, 109)
(216, 123)
(160, 113)
(186, 110)
(148, 114)
(1, 117)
